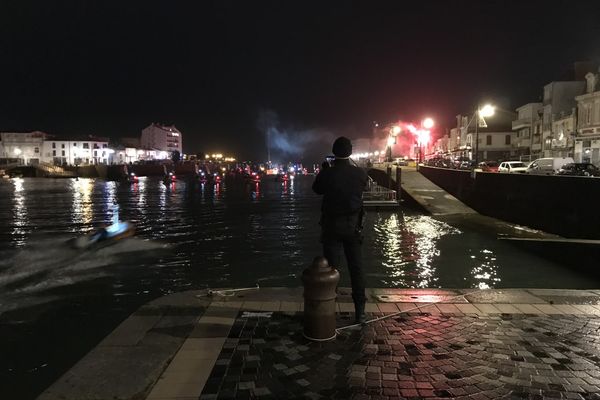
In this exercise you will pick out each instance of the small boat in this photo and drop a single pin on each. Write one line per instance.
(104, 236)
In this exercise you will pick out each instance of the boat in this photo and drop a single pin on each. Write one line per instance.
(104, 236)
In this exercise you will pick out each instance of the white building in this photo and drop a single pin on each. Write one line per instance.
(126, 155)
(587, 140)
(528, 131)
(163, 138)
(495, 137)
(23, 147)
(84, 150)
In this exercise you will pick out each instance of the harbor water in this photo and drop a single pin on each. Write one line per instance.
(57, 302)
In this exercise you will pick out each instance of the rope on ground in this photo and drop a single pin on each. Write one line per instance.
(232, 292)
(338, 330)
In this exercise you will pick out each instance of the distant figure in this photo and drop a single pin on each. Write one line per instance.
(342, 186)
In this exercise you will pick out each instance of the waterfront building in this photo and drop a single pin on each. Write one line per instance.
(495, 137)
(528, 131)
(587, 140)
(162, 138)
(76, 150)
(559, 104)
(126, 155)
(22, 147)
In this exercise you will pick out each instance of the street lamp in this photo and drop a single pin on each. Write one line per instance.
(485, 111)
(423, 135)
(394, 131)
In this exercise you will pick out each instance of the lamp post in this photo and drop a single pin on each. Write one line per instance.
(480, 113)
(394, 131)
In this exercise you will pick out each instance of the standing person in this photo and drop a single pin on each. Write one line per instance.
(342, 185)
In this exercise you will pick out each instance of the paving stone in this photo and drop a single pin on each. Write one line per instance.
(497, 353)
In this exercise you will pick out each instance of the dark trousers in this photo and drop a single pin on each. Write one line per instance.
(340, 233)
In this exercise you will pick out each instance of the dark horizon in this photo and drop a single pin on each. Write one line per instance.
(215, 69)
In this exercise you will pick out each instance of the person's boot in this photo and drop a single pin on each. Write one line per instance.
(359, 313)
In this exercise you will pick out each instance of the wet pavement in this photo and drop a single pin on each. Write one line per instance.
(484, 344)
(411, 356)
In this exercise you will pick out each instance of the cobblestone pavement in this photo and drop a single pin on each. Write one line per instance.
(411, 356)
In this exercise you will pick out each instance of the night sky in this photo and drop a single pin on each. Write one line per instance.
(215, 69)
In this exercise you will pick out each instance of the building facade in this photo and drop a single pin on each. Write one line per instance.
(559, 103)
(162, 138)
(587, 139)
(495, 137)
(23, 147)
(83, 150)
(527, 142)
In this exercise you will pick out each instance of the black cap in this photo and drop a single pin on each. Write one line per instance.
(342, 147)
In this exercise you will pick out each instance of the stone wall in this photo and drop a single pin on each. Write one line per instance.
(563, 205)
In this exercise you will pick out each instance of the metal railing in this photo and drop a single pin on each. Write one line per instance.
(379, 195)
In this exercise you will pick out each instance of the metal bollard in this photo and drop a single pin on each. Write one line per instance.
(389, 174)
(320, 281)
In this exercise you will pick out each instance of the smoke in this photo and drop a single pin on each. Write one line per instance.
(287, 143)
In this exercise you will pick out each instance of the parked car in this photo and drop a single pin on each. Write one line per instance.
(401, 162)
(579, 169)
(467, 165)
(548, 166)
(489, 166)
(512, 167)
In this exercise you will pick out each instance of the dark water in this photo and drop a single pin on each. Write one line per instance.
(56, 303)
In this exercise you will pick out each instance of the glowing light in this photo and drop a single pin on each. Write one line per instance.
(428, 123)
(391, 141)
(223, 169)
(423, 136)
(377, 153)
(487, 111)
(206, 156)
(18, 151)
(396, 130)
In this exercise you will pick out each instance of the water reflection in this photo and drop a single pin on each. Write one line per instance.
(20, 215)
(485, 270)
(140, 188)
(82, 213)
(409, 248)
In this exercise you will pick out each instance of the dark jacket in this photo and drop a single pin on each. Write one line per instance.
(342, 186)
